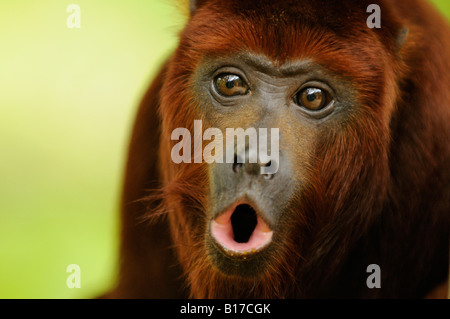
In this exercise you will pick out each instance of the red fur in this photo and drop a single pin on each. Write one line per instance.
(379, 186)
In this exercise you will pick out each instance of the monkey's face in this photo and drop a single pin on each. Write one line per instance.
(312, 102)
(256, 189)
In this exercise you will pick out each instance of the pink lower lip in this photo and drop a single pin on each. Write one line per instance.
(222, 231)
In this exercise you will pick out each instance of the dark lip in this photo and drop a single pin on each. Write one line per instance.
(239, 256)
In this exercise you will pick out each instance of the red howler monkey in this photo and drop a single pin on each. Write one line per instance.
(364, 155)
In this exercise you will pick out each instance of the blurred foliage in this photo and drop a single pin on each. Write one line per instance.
(67, 101)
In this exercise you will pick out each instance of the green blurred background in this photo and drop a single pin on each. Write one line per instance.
(67, 101)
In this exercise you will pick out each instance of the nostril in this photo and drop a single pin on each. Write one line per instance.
(268, 176)
(237, 167)
(268, 164)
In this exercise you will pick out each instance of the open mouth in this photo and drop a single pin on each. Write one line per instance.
(241, 230)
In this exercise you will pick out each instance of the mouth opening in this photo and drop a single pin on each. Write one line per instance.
(243, 222)
(241, 230)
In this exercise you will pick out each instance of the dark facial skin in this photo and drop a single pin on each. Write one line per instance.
(305, 102)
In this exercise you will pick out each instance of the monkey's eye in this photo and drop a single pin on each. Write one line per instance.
(229, 84)
(312, 98)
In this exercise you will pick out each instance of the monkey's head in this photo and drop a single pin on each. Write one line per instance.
(325, 82)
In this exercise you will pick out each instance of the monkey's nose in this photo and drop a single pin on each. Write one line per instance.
(253, 169)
